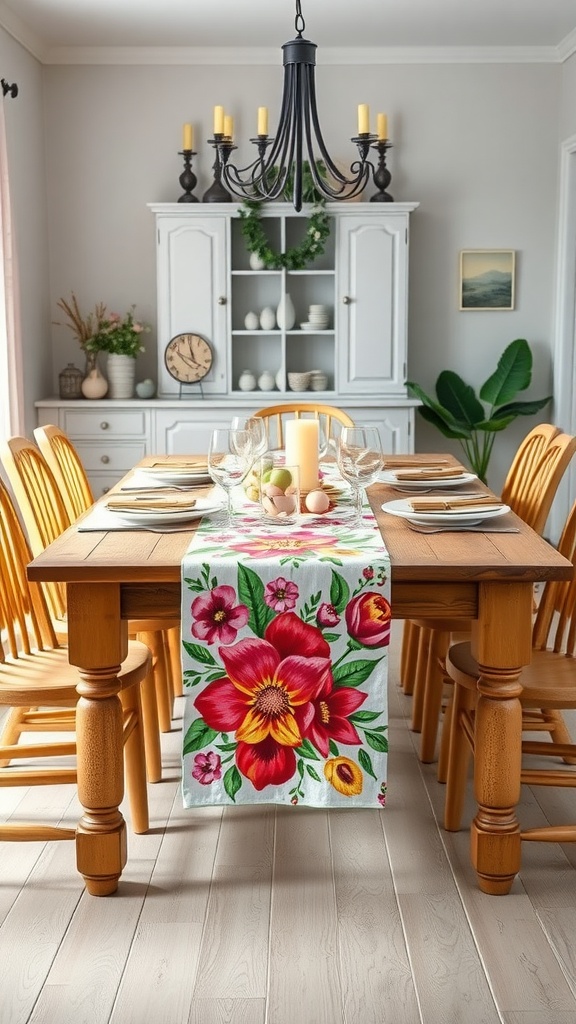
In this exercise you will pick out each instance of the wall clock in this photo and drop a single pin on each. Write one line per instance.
(188, 358)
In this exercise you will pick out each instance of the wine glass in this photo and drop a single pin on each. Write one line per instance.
(360, 459)
(230, 458)
(257, 431)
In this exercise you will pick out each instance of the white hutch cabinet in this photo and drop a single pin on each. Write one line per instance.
(207, 286)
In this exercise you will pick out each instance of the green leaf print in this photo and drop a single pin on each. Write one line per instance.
(199, 653)
(364, 716)
(366, 762)
(354, 673)
(313, 773)
(199, 735)
(339, 592)
(307, 750)
(376, 741)
(232, 782)
(251, 593)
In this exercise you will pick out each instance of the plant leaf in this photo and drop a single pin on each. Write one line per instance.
(377, 742)
(513, 374)
(527, 408)
(432, 417)
(199, 653)
(459, 399)
(366, 762)
(443, 414)
(354, 673)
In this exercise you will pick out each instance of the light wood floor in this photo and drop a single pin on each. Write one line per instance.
(281, 916)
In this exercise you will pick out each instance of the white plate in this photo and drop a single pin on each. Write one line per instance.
(175, 476)
(389, 477)
(402, 508)
(201, 508)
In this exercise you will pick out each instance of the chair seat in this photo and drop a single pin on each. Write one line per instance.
(548, 681)
(46, 677)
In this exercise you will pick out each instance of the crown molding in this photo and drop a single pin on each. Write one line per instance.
(568, 46)
(23, 34)
(251, 56)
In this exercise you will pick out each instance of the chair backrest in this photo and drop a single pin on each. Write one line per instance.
(24, 620)
(67, 469)
(541, 462)
(40, 503)
(328, 415)
(555, 623)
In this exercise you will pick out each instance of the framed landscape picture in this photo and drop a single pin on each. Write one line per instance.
(487, 278)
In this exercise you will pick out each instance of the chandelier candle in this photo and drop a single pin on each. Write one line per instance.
(302, 437)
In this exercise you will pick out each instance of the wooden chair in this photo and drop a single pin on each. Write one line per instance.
(328, 415)
(548, 687)
(39, 497)
(530, 487)
(37, 681)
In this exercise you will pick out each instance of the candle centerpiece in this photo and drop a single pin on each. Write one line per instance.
(302, 440)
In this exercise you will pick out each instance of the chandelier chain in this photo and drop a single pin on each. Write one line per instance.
(299, 23)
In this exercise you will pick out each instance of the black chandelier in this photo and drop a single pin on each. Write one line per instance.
(280, 165)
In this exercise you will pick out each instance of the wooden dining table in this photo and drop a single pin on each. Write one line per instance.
(113, 577)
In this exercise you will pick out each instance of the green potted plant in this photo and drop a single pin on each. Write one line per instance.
(458, 411)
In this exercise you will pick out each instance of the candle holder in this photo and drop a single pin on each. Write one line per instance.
(217, 193)
(382, 176)
(188, 179)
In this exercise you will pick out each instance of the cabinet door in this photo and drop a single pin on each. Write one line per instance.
(371, 305)
(193, 293)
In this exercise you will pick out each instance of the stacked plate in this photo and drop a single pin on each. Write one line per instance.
(457, 512)
(318, 317)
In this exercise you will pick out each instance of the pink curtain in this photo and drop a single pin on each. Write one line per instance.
(10, 324)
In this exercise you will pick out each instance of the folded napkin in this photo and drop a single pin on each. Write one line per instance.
(194, 465)
(398, 461)
(158, 503)
(453, 504)
(429, 474)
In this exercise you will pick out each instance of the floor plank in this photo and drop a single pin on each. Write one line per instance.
(290, 916)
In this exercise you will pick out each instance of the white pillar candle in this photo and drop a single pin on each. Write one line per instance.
(302, 450)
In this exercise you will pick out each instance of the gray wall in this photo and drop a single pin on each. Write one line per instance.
(477, 145)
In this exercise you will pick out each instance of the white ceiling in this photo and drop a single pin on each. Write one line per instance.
(47, 26)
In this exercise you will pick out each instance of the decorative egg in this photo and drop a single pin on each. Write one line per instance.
(284, 503)
(317, 502)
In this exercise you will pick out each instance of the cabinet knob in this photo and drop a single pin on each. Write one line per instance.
(104, 425)
(346, 300)
(105, 459)
(221, 300)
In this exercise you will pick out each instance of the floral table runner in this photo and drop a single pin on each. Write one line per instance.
(285, 637)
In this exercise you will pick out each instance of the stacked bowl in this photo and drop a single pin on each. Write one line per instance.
(318, 317)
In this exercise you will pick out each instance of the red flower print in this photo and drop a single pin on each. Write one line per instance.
(216, 616)
(368, 573)
(281, 594)
(266, 763)
(268, 691)
(368, 619)
(327, 615)
(330, 721)
(207, 768)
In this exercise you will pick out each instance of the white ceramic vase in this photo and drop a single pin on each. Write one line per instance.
(94, 385)
(256, 261)
(286, 314)
(267, 319)
(247, 381)
(121, 375)
(266, 381)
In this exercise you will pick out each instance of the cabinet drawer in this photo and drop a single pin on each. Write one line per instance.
(99, 422)
(112, 458)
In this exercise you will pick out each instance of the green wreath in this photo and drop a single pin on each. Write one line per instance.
(296, 258)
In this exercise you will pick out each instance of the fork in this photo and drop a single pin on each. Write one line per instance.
(478, 526)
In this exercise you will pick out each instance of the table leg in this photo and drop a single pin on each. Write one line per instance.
(98, 643)
(502, 645)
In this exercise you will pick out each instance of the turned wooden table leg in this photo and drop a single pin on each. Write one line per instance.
(98, 644)
(501, 642)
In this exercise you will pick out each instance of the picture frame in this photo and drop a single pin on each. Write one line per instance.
(487, 279)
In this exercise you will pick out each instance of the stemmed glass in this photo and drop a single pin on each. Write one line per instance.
(230, 458)
(257, 431)
(360, 459)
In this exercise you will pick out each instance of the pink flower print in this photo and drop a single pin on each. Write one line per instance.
(207, 768)
(217, 617)
(368, 573)
(281, 594)
(327, 615)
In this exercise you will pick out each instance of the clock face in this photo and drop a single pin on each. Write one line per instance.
(188, 358)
